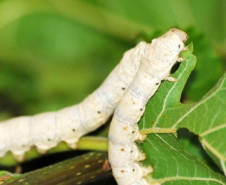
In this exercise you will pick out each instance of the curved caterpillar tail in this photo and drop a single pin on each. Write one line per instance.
(46, 130)
(156, 63)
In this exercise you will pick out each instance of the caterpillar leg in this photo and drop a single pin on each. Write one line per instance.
(131, 174)
(180, 59)
(185, 48)
(170, 79)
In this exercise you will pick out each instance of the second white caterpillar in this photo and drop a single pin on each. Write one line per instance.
(46, 130)
(155, 66)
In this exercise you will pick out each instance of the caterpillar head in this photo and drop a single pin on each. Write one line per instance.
(181, 34)
(175, 40)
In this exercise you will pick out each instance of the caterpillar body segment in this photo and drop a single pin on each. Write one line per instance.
(155, 66)
(46, 130)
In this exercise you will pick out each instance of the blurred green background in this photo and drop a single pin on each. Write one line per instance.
(54, 53)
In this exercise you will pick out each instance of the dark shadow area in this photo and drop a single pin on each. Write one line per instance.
(192, 145)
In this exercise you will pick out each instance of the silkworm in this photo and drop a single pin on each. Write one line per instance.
(155, 66)
(46, 130)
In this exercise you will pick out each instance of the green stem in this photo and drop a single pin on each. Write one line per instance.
(82, 169)
(85, 143)
(101, 20)
(93, 143)
(84, 13)
(13, 10)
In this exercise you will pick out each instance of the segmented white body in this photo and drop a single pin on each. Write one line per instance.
(156, 63)
(46, 130)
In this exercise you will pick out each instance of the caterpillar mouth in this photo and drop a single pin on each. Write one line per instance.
(181, 34)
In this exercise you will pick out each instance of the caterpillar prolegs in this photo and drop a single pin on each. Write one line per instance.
(46, 130)
(155, 66)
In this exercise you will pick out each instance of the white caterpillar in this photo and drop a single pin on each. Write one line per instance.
(46, 130)
(156, 63)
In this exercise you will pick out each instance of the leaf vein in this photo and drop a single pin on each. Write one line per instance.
(196, 106)
(223, 166)
(213, 150)
(223, 126)
(167, 179)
